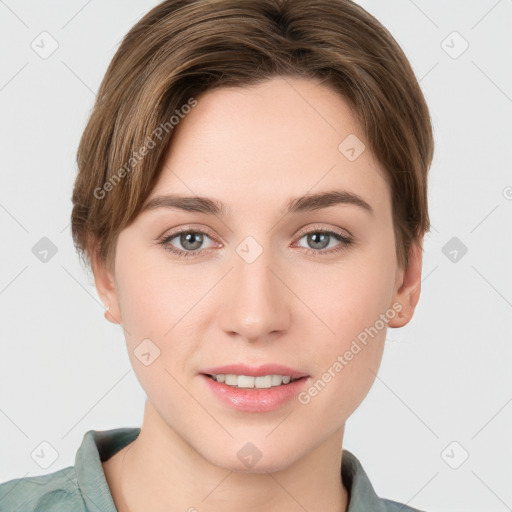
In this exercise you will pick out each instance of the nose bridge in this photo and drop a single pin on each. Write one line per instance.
(256, 305)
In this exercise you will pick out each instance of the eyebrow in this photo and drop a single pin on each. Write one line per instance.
(308, 202)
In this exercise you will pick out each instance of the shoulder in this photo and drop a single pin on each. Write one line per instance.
(77, 488)
(394, 506)
(363, 497)
(53, 492)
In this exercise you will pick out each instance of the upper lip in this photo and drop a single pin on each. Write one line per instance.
(264, 369)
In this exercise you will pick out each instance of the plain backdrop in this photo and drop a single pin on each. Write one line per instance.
(435, 429)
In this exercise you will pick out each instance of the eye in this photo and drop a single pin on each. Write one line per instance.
(320, 239)
(190, 239)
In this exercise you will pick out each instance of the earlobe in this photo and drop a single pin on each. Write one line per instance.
(108, 316)
(408, 286)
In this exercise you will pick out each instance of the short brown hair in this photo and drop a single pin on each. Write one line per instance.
(182, 48)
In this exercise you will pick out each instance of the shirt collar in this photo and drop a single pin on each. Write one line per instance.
(362, 496)
(99, 445)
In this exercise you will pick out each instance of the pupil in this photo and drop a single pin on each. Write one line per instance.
(319, 245)
(186, 240)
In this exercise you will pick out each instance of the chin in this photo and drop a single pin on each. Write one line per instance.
(253, 456)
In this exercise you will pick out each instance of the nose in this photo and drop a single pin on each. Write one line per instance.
(257, 299)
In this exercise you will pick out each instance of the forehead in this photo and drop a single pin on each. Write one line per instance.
(281, 138)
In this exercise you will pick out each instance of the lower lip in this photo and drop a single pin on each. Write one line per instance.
(254, 399)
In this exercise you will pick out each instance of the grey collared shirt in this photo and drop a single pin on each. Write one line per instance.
(84, 488)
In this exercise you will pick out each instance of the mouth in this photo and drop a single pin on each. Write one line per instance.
(253, 382)
(254, 389)
(264, 376)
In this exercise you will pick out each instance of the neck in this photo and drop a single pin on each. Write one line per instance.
(160, 471)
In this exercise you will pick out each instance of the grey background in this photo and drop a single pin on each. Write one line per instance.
(444, 390)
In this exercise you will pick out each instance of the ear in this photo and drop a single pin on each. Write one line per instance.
(105, 285)
(408, 286)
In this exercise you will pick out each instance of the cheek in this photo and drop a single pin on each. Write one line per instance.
(152, 293)
(152, 303)
(141, 300)
(348, 354)
(159, 303)
(351, 296)
(353, 300)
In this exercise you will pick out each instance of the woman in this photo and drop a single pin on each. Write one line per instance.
(252, 201)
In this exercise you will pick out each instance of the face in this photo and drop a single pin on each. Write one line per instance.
(311, 288)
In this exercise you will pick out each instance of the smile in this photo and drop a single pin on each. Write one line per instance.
(248, 381)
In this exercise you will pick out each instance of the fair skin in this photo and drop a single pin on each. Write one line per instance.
(253, 149)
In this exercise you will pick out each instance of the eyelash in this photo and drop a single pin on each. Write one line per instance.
(346, 241)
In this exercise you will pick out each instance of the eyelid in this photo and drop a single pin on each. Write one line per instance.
(186, 229)
(320, 227)
(345, 239)
(303, 231)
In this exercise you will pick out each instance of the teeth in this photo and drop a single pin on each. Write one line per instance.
(247, 381)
